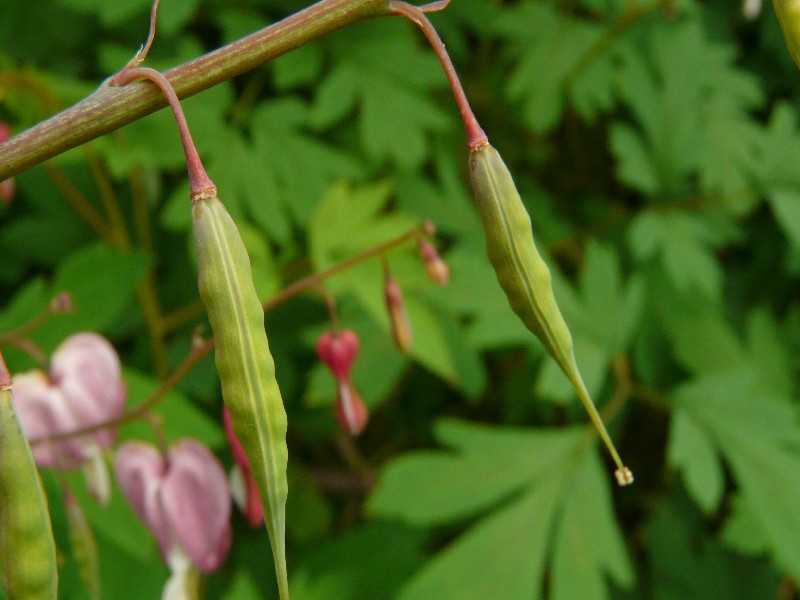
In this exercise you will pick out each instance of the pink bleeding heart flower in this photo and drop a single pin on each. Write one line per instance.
(351, 412)
(84, 388)
(184, 500)
(338, 351)
(243, 485)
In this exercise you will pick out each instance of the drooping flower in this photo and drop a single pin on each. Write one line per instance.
(398, 319)
(243, 485)
(436, 268)
(84, 388)
(184, 500)
(338, 351)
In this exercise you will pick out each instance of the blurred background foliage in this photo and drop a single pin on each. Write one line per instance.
(654, 143)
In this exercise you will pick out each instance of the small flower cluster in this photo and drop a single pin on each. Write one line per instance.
(338, 349)
(181, 494)
(83, 387)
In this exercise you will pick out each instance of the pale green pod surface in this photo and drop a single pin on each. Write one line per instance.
(27, 549)
(788, 12)
(524, 275)
(244, 363)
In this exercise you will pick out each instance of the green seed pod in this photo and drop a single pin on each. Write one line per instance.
(788, 12)
(244, 363)
(524, 276)
(27, 549)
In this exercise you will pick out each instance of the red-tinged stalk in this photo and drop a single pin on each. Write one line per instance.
(110, 108)
(476, 137)
(5, 376)
(199, 181)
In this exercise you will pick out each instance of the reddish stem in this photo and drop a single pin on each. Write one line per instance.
(201, 185)
(5, 376)
(476, 138)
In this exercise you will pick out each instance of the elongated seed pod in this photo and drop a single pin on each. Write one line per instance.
(27, 549)
(244, 363)
(524, 276)
(788, 12)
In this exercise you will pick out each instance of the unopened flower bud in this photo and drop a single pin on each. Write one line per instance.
(395, 304)
(338, 351)
(62, 303)
(437, 269)
(351, 411)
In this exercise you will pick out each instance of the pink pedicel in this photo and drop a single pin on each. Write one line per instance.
(183, 499)
(243, 487)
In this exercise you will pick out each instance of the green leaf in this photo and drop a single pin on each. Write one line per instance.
(502, 557)
(685, 563)
(610, 307)
(525, 483)
(360, 565)
(690, 103)
(682, 242)
(692, 452)
(786, 207)
(587, 535)
(182, 418)
(758, 435)
(382, 72)
(299, 165)
(102, 282)
(555, 62)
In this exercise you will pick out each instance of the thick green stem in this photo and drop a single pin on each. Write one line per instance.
(110, 108)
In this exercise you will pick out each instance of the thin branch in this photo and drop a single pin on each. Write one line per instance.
(110, 108)
(202, 348)
(476, 138)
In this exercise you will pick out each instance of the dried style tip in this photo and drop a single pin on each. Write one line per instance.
(624, 476)
(437, 269)
(395, 304)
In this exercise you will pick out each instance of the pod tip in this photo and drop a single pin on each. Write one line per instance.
(624, 476)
